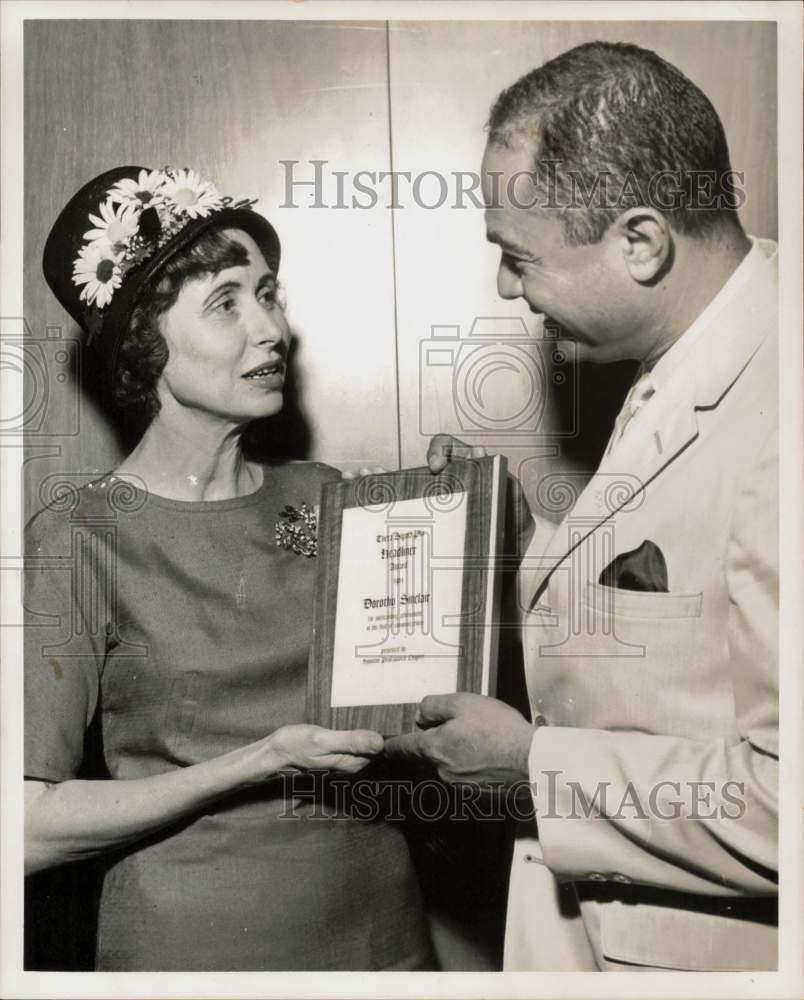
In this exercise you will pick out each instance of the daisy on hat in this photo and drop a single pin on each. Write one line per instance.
(120, 229)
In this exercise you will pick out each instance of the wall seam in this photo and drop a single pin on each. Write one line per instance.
(393, 247)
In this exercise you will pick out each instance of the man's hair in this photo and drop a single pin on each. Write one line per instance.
(143, 352)
(614, 126)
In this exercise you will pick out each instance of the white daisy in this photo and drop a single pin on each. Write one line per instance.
(143, 192)
(97, 269)
(190, 194)
(115, 227)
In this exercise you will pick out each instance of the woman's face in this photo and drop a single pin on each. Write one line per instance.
(228, 339)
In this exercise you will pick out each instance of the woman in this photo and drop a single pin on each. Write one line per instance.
(185, 627)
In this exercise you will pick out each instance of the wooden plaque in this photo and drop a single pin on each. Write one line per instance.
(407, 596)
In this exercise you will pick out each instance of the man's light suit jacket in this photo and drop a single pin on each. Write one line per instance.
(664, 704)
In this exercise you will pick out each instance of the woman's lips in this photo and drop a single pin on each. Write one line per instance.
(269, 375)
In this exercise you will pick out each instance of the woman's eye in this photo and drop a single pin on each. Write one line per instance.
(225, 306)
(271, 297)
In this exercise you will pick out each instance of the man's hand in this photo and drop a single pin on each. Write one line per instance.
(444, 448)
(470, 738)
(365, 471)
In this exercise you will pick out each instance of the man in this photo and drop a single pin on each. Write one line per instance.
(650, 614)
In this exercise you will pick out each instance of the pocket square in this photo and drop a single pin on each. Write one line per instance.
(641, 569)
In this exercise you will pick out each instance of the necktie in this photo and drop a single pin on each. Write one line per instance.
(639, 393)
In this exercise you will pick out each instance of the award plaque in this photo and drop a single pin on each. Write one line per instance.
(407, 595)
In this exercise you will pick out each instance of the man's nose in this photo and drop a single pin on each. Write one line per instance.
(509, 284)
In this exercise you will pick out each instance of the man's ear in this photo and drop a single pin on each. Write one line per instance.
(646, 243)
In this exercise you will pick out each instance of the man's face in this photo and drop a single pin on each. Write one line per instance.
(587, 290)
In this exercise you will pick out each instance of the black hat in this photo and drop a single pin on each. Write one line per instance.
(115, 234)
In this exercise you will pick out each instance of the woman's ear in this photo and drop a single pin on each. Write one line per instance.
(646, 243)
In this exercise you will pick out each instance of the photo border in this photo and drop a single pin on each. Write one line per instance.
(787, 982)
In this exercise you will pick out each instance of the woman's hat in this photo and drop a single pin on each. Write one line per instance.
(116, 233)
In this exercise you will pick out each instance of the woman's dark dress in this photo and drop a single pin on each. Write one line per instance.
(183, 630)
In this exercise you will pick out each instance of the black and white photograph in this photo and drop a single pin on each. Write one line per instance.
(401, 499)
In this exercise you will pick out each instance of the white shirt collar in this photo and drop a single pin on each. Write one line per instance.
(669, 366)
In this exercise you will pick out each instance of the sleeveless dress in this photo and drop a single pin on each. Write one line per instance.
(164, 633)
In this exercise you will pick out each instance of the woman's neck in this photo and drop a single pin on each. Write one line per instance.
(191, 459)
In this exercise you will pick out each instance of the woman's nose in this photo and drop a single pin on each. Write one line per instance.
(267, 326)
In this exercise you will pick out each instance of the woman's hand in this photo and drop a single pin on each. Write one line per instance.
(77, 819)
(306, 747)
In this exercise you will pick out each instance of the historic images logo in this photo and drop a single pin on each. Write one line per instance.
(492, 386)
(46, 365)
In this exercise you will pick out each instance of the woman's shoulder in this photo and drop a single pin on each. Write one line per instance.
(70, 500)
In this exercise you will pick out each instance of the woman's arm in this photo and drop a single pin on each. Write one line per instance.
(75, 819)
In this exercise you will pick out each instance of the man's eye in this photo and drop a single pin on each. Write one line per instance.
(513, 264)
(518, 265)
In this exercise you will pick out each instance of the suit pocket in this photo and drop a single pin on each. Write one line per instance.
(642, 604)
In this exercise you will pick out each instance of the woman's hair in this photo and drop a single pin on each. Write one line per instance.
(143, 352)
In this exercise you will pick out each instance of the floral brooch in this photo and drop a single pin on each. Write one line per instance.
(297, 530)
(136, 219)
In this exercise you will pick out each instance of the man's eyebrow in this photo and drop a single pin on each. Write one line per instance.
(508, 247)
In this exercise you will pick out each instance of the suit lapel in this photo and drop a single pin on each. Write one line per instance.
(617, 484)
(668, 423)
